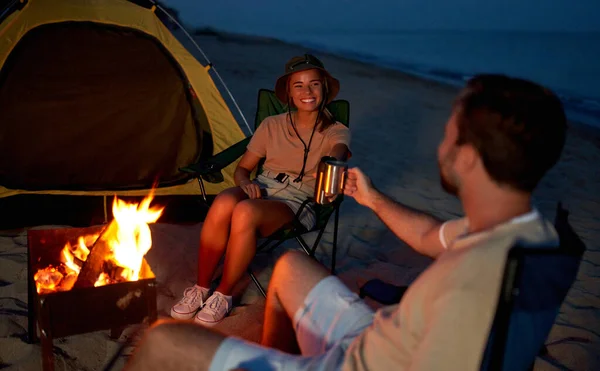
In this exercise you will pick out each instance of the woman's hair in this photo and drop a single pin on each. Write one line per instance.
(326, 117)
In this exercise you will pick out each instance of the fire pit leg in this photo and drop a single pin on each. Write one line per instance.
(31, 312)
(46, 336)
(47, 351)
(151, 303)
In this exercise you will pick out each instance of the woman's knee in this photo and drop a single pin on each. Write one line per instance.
(224, 204)
(245, 216)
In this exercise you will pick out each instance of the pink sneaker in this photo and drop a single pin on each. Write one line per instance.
(193, 299)
(216, 308)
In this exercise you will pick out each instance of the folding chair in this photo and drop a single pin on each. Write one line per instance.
(535, 284)
(210, 170)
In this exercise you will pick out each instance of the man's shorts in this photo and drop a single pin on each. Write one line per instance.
(331, 318)
(292, 194)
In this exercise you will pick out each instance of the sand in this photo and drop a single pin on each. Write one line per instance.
(396, 122)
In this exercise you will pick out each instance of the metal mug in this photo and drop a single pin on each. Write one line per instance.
(331, 178)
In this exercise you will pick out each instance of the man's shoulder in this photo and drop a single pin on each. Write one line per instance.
(486, 252)
(535, 232)
(531, 229)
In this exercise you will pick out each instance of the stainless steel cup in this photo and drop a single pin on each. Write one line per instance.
(331, 177)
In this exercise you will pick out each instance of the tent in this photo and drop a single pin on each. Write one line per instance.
(98, 97)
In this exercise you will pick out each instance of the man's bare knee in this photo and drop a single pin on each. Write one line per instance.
(294, 263)
(294, 276)
(175, 343)
(160, 336)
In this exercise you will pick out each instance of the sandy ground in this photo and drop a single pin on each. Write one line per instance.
(396, 123)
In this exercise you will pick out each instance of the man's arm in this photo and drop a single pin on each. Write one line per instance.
(419, 230)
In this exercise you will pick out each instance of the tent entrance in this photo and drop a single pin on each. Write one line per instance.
(88, 106)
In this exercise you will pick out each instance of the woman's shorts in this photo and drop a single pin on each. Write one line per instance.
(292, 194)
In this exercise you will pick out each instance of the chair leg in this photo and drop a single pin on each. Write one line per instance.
(316, 243)
(258, 285)
(304, 245)
(202, 189)
(335, 231)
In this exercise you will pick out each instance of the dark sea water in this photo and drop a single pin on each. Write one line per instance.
(568, 63)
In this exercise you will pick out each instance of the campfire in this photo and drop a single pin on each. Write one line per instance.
(113, 255)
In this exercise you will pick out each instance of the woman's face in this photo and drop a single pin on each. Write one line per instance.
(306, 90)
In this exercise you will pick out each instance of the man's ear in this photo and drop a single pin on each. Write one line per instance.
(467, 158)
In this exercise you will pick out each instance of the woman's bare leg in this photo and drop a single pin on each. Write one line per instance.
(294, 276)
(215, 233)
(250, 217)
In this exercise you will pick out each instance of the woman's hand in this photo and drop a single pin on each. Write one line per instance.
(250, 188)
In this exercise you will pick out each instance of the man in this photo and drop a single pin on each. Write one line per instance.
(502, 137)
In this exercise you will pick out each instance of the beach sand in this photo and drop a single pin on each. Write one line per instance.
(396, 122)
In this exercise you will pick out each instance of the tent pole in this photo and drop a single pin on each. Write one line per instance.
(209, 63)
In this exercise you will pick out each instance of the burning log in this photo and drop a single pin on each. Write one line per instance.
(112, 256)
(94, 264)
(67, 282)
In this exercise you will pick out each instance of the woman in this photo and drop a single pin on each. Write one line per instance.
(292, 144)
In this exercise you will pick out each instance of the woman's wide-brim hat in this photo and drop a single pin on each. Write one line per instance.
(303, 63)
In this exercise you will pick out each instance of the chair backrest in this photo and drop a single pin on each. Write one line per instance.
(536, 282)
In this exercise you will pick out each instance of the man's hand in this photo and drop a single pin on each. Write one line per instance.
(359, 186)
(251, 189)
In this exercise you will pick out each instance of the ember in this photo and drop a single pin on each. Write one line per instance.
(117, 251)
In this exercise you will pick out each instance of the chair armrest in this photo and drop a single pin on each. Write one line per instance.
(211, 167)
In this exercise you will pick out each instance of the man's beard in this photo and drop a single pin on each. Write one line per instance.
(448, 186)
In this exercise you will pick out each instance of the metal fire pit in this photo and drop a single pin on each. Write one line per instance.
(81, 310)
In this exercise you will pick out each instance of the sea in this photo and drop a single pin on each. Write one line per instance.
(566, 62)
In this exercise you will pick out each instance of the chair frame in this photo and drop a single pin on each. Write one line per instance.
(509, 293)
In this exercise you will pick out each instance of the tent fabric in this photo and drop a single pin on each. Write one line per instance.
(95, 99)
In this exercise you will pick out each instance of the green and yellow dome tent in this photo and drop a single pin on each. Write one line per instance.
(98, 97)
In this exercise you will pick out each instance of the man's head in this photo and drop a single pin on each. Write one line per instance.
(507, 130)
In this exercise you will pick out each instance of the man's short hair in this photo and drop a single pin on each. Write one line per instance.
(518, 127)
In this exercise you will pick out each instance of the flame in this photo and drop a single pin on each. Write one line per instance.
(131, 239)
(104, 279)
(128, 238)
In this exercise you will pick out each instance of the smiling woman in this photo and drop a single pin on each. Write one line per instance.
(289, 148)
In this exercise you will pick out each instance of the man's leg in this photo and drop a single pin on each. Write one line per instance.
(175, 345)
(294, 276)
